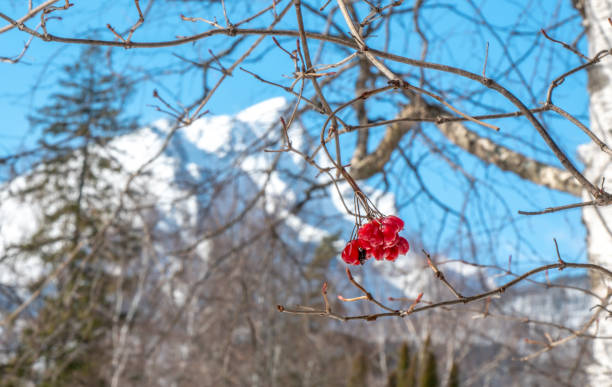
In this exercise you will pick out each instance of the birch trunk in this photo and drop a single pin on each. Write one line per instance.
(598, 221)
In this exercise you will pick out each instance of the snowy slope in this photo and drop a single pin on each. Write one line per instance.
(213, 150)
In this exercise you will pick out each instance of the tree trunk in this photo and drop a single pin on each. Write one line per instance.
(598, 221)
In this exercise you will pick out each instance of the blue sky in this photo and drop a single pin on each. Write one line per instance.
(457, 39)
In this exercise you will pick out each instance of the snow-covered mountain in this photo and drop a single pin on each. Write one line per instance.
(206, 153)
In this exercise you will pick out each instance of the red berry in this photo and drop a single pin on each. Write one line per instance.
(371, 233)
(379, 253)
(392, 253)
(402, 245)
(350, 254)
(367, 230)
(393, 221)
(389, 234)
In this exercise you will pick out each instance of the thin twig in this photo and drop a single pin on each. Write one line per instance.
(561, 261)
(405, 85)
(366, 293)
(228, 24)
(484, 66)
(560, 208)
(31, 13)
(138, 23)
(314, 106)
(325, 5)
(561, 78)
(565, 45)
(256, 15)
(552, 344)
(583, 127)
(17, 58)
(439, 119)
(324, 293)
(440, 275)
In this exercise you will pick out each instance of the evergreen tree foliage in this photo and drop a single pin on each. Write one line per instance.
(429, 377)
(405, 373)
(406, 367)
(453, 378)
(77, 124)
(411, 375)
(428, 373)
(359, 372)
(70, 185)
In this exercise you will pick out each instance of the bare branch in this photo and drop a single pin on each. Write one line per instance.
(31, 13)
(440, 275)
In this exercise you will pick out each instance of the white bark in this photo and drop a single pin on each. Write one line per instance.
(364, 166)
(508, 160)
(598, 221)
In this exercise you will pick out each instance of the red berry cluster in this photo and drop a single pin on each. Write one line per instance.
(379, 239)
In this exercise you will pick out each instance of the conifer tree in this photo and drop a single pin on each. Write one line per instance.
(453, 378)
(71, 188)
(406, 367)
(392, 379)
(359, 372)
(428, 374)
(405, 372)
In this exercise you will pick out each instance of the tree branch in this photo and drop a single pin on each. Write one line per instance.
(509, 160)
(456, 132)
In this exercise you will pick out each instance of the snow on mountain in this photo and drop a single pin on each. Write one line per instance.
(212, 150)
